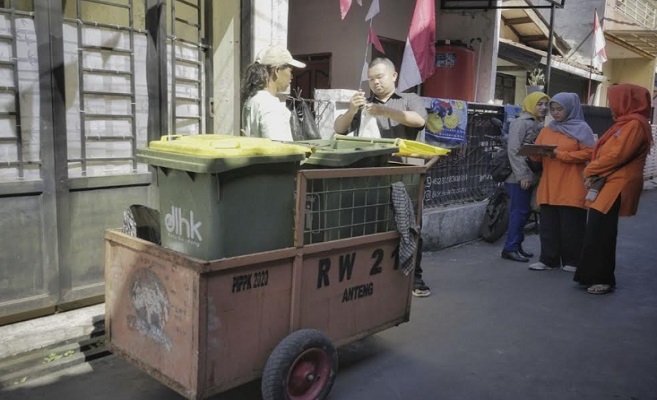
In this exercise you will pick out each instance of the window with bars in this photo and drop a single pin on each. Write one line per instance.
(20, 157)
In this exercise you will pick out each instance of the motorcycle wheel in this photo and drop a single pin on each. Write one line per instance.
(496, 217)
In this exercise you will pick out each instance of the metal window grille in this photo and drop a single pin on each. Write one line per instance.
(187, 52)
(642, 11)
(16, 154)
(106, 89)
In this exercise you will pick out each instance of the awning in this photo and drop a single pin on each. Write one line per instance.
(644, 43)
(529, 27)
(530, 58)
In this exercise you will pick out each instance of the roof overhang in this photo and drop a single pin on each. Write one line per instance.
(529, 58)
(644, 43)
(530, 27)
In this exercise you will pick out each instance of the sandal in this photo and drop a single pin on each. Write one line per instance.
(600, 289)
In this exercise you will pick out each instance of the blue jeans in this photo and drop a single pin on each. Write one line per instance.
(519, 211)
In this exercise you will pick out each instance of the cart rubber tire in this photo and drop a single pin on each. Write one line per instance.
(301, 367)
(496, 217)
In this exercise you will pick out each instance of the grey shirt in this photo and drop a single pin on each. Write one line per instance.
(522, 130)
(392, 129)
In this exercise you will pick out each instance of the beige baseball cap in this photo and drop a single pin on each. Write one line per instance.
(277, 55)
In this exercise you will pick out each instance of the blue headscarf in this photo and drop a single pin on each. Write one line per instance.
(574, 124)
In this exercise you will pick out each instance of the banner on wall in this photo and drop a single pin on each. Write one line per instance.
(447, 121)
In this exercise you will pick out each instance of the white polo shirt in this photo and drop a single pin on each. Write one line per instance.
(264, 115)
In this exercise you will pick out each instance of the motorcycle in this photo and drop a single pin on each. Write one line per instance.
(496, 215)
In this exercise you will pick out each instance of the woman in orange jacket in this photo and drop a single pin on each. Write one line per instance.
(560, 192)
(619, 157)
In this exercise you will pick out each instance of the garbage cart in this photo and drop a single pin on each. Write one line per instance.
(204, 326)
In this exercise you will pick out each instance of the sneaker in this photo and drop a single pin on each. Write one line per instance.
(421, 291)
(569, 268)
(539, 266)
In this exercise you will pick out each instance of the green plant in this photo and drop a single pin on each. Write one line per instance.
(536, 77)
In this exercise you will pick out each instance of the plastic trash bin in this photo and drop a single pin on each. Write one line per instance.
(224, 196)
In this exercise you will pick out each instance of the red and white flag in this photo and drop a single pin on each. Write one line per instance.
(599, 52)
(345, 5)
(374, 39)
(420, 51)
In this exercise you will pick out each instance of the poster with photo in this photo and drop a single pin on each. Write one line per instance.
(447, 121)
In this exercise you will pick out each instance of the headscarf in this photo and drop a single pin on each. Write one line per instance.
(574, 124)
(628, 103)
(529, 103)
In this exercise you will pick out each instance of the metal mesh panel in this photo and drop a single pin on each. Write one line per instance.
(345, 207)
(462, 175)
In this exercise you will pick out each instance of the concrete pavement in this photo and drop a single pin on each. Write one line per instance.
(492, 329)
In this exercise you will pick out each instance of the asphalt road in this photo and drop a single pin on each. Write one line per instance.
(492, 329)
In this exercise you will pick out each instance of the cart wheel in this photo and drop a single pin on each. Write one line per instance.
(301, 367)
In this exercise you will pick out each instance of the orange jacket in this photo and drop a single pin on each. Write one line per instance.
(621, 160)
(562, 182)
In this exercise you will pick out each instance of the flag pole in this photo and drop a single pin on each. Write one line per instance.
(367, 46)
(588, 91)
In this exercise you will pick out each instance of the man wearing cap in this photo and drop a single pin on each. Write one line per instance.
(263, 114)
(397, 115)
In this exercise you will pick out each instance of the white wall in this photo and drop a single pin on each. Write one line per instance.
(315, 27)
(226, 71)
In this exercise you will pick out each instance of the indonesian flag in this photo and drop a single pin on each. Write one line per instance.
(599, 52)
(420, 51)
(345, 5)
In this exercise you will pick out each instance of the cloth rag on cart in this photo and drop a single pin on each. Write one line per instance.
(407, 226)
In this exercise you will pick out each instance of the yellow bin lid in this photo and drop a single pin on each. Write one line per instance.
(219, 153)
(217, 145)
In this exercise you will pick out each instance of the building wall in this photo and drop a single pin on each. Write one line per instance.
(574, 23)
(639, 71)
(482, 30)
(315, 27)
(226, 67)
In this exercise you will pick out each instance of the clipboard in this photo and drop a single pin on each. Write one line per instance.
(535, 149)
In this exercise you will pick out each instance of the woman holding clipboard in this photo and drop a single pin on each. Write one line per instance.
(561, 193)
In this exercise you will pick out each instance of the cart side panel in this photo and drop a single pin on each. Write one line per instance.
(354, 291)
(151, 303)
(248, 314)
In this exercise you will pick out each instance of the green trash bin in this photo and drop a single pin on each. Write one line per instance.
(345, 207)
(218, 200)
(348, 154)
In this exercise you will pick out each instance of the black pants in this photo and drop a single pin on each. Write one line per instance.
(598, 261)
(562, 235)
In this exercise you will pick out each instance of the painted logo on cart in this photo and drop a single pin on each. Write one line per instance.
(183, 225)
(151, 307)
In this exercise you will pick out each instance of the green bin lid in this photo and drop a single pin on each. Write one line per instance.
(341, 153)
